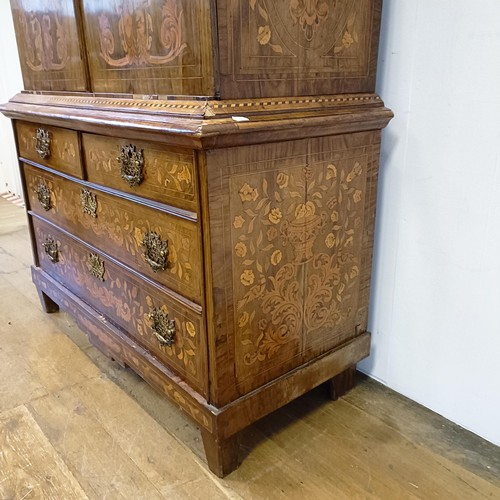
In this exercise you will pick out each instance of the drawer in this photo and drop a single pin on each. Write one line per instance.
(136, 306)
(145, 169)
(123, 229)
(54, 147)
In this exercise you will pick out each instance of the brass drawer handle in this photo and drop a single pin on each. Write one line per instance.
(95, 266)
(51, 249)
(44, 195)
(155, 251)
(131, 162)
(162, 326)
(88, 201)
(42, 143)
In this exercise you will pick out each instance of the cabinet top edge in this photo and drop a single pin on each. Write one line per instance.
(205, 124)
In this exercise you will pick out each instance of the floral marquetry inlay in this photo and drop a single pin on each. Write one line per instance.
(296, 239)
(46, 40)
(138, 40)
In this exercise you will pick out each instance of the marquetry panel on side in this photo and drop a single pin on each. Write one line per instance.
(154, 47)
(49, 42)
(297, 47)
(291, 226)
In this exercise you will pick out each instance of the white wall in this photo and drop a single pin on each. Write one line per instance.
(10, 83)
(435, 311)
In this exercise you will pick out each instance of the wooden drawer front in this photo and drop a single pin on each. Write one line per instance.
(126, 300)
(118, 229)
(61, 153)
(168, 175)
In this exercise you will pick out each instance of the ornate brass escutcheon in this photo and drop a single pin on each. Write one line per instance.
(162, 326)
(155, 251)
(42, 144)
(88, 201)
(51, 249)
(43, 194)
(131, 162)
(95, 266)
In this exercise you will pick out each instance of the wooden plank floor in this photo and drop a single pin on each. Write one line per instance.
(75, 425)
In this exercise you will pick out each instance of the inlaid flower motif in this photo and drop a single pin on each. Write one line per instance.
(243, 319)
(282, 180)
(190, 328)
(335, 216)
(330, 240)
(357, 196)
(272, 233)
(305, 209)
(331, 172)
(248, 193)
(357, 170)
(276, 257)
(184, 175)
(347, 40)
(264, 35)
(354, 272)
(309, 14)
(275, 215)
(240, 249)
(238, 222)
(247, 277)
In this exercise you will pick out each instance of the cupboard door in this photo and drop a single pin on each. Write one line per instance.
(155, 47)
(291, 226)
(50, 45)
(297, 47)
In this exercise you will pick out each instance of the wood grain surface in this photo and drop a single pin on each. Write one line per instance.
(169, 173)
(161, 47)
(119, 228)
(127, 300)
(64, 149)
(50, 43)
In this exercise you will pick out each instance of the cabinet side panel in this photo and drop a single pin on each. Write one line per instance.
(155, 47)
(49, 45)
(294, 47)
(291, 242)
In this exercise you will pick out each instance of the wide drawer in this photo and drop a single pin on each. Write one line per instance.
(145, 169)
(53, 147)
(138, 307)
(160, 245)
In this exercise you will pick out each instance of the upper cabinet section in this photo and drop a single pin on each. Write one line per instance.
(297, 47)
(160, 47)
(228, 49)
(49, 42)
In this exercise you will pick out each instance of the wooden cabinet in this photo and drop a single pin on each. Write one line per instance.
(201, 184)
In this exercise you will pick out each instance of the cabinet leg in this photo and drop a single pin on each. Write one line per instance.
(48, 305)
(342, 383)
(222, 455)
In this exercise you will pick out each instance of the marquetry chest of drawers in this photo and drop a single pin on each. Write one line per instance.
(203, 228)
